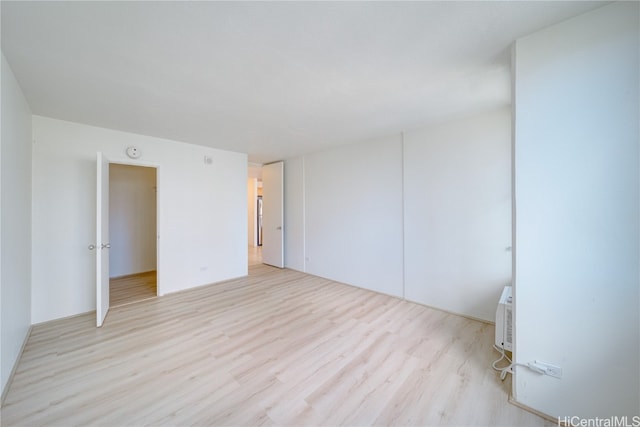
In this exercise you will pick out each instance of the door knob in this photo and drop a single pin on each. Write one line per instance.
(92, 247)
(106, 245)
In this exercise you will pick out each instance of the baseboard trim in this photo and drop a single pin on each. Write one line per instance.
(124, 276)
(466, 316)
(71, 316)
(547, 417)
(5, 391)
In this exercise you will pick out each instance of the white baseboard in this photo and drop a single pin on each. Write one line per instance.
(533, 411)
(15, 366)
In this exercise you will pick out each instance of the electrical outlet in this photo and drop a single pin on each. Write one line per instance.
(549, 369)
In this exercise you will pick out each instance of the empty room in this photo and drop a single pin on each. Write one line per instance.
(320, 213)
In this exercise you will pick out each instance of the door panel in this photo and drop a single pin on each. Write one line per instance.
(273, 214)
(102, 239)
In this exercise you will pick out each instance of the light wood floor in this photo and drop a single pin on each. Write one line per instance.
(255, 255)
(276, 348)
(133, 288)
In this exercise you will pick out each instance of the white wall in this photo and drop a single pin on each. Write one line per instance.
(577, 214)
(294, 214)
(353, 214)
(202, 221)
(427, 218)
(457, 213)
(132, 219)
(15, 222)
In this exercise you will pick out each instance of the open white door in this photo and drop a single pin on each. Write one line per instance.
(272, 214)
(102, 240)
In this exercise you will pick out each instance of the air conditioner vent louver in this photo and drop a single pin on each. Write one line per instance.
(504, 321)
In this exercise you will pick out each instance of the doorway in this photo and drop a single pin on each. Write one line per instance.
(265, 215)
(132, 233)
(254, 214)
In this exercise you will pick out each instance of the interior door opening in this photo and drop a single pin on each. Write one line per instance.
(265, 191)
(254, 214)
(259, 220)
(132, 233)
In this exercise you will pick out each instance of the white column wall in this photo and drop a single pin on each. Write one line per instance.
(15, 223)
(577, 214)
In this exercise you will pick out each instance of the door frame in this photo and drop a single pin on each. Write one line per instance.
(157, 167)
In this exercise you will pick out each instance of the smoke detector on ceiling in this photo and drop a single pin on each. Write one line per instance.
(133, 152)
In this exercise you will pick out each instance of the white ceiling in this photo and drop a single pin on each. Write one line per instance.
(271, 79)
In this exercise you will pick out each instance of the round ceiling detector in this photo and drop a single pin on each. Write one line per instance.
(133, 152)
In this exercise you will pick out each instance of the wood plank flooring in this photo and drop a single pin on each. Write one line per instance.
(132, 288)
(278, 347)
(255, 255)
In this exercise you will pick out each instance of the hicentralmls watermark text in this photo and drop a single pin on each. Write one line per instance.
(623, 421)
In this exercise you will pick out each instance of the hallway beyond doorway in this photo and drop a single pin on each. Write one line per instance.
(255, 255)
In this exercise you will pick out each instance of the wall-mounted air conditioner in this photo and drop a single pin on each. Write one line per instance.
(504, 321)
